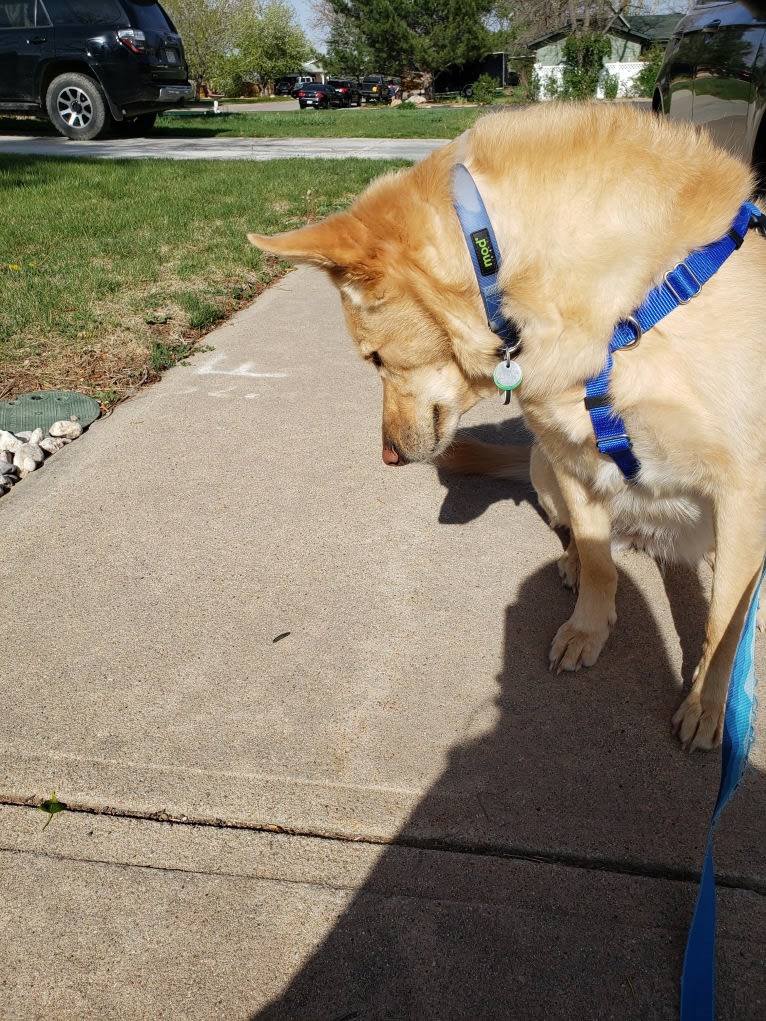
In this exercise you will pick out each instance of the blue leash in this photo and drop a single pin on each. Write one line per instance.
(679, 286)
(698, 976)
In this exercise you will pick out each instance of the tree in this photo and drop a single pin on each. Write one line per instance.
(424, 36)
(207, 30)
(270, 43)
(231, 42)
(348, 53)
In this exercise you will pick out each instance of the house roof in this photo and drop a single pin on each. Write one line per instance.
(656, 28)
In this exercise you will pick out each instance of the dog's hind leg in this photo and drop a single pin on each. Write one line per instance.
(738, 558)
(580, 640)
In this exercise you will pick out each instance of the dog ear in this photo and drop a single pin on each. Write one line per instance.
(339, 243)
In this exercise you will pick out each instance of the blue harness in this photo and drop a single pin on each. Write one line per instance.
(678, 287)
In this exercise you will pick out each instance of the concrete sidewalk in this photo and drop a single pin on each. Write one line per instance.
(297, 704)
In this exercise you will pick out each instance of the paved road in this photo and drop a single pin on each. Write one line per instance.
(224, 148)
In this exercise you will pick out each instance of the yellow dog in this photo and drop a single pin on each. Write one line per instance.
(591, 206)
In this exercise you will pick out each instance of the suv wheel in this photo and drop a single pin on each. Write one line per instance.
(76, 106)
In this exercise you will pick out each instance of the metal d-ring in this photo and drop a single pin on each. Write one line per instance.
(639, 333)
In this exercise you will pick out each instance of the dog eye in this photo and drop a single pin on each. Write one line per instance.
(376, 360)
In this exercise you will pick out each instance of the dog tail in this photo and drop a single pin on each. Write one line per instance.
(472, 457)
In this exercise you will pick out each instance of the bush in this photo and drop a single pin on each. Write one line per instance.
(531, 90)
(485, 90)
(611, 85)
(646, 79)
(584, 57)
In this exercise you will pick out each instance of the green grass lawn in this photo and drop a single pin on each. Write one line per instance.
(113, 270)
(365, 122)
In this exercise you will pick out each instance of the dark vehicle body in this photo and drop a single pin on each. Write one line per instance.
(90, 63)
(314, 95)
(714, 74)
(375, 88)
(348, 92)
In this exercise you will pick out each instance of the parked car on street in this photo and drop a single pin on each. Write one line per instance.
(314, 96)
(347, 91)
(91, 64)
(714, 74)
(299, 82)
(376, 88)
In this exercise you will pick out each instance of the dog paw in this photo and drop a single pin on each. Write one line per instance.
(698, 723)
(574, 647)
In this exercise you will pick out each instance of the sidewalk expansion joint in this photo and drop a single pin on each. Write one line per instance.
(403, 841)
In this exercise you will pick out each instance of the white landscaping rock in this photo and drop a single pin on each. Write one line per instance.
(28, 457)
(50, 444)
(10, 442)
(24, 452)
(68, 430)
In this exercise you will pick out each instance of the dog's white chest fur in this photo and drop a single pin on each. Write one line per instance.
(669, 528)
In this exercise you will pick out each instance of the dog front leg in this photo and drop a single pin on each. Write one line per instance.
(580, 641)
(552, 502)
(738, 558)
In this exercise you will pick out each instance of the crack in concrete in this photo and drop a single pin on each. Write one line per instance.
(479, 849)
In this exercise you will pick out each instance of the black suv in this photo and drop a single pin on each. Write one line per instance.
(345, 91)
(714, 74)
(91, 63)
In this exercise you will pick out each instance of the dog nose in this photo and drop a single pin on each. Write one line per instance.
(391, 455)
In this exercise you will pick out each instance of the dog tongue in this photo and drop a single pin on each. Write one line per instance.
(390, 456)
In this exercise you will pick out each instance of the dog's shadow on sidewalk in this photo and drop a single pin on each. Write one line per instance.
(468, 497)
(556, 853)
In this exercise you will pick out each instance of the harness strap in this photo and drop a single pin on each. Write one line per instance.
(678, 287)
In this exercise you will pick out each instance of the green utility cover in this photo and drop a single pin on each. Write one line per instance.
(41, 409)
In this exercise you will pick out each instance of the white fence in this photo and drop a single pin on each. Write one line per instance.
(625, 74)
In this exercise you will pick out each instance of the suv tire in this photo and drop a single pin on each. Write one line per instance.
(77, 107)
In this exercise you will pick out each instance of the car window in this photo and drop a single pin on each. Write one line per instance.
(149, 14)
(17, 14)
(85, 12)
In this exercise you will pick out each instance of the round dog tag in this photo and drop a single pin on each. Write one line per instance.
(507, 375)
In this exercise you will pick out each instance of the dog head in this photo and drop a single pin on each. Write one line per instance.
(591, 204)
(410, 302)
